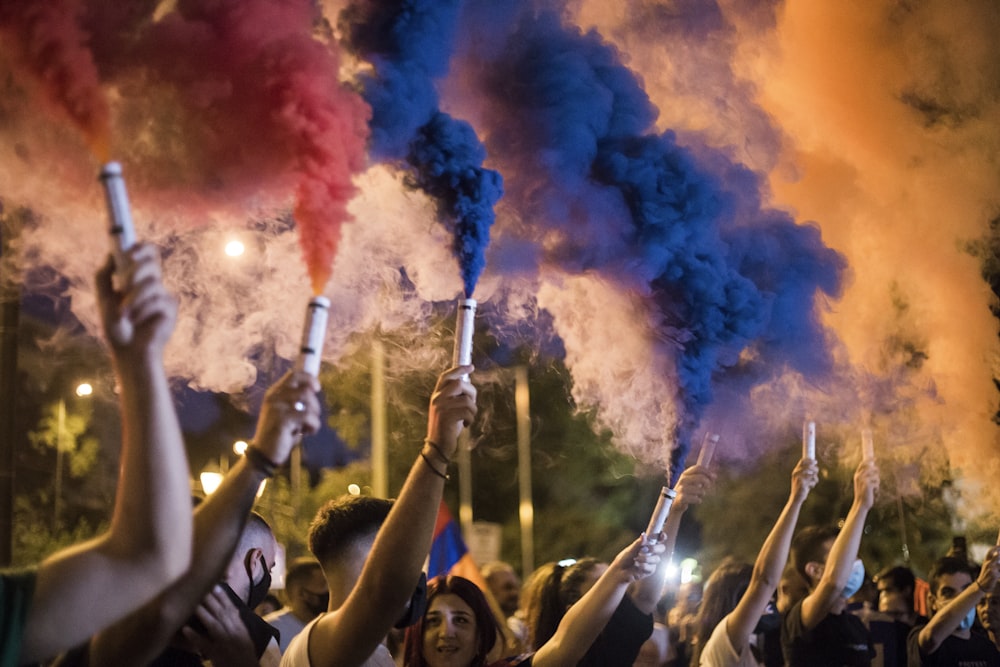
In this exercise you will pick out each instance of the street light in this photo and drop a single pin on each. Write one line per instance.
(210, 481)
(235, 248)
(211, 477)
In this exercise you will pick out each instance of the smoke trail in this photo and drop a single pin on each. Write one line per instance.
(409, 44)
(273, 81)
(49, 47)
(446, 155)
(683, 225)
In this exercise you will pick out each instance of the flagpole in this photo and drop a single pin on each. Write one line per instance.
(380, 477)
(522, 402)
(464, 485)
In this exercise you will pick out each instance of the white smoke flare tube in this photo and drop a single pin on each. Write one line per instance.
(313, 334)
(809, 440)
(867, 446)
(119, 213)
(707, 448)
(464, 328)
(660, 512)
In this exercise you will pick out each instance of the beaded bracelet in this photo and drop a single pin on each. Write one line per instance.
(443, 475)
(259, 461)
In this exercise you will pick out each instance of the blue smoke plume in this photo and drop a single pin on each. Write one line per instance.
(734, 283)
(409, 44)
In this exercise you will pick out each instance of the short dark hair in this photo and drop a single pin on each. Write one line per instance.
(256, 531)
(300, 571)
(487, 627)
(342, 521)
(807, 547)
(948, 565)
(899, 578)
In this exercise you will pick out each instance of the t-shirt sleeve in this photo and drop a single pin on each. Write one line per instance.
(792, 631)
(719, 651)
(914, 657)
(297, 653)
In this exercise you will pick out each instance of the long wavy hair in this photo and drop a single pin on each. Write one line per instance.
(723, 591)
(487, 628)
(553, 588)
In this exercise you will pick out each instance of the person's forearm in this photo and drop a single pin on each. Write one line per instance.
(845, 547)
(947, 619)
(766, 575)
(152, 514)
(390, 572)
(404, 540)
(773, 554)
(218, 524)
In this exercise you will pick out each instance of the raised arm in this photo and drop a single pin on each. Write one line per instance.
(587, 618)
(691, 488)
(772, 557)
(820, 602)
(349, 635)
(149, 542)
(218, 525)
(947, 618)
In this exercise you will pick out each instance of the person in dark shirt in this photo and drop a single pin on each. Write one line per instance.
(948, 639)
(819, 631)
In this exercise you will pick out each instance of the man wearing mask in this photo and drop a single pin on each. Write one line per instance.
(210, 609)
(224, 630)
(818, 631)
(306, 598)
(948, 638)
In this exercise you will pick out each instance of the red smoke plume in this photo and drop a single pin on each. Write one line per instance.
(47, 44)
(219, 101)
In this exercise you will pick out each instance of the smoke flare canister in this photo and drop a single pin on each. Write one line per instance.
(464, 328)
(867, 446)
(809, 440)
(119, 212)
(707, 448)
(313, 334)
(660, 512)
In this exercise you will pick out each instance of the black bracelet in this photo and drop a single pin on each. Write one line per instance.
(428, 441)
(443, 475)
(260, 462)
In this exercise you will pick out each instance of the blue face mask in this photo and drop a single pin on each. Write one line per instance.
(969, 619)
(856, 579)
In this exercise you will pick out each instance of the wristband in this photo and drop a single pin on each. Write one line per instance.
(443, 475)
(259, 461)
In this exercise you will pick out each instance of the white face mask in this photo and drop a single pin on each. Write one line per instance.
(855, 581)
(970, 618)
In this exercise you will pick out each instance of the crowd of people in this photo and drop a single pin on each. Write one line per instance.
(168, 585)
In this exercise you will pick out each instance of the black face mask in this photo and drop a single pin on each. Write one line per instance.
(260, 631)
(259, 590)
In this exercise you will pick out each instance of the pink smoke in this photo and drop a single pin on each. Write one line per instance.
(263, 97)
(49, 50)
